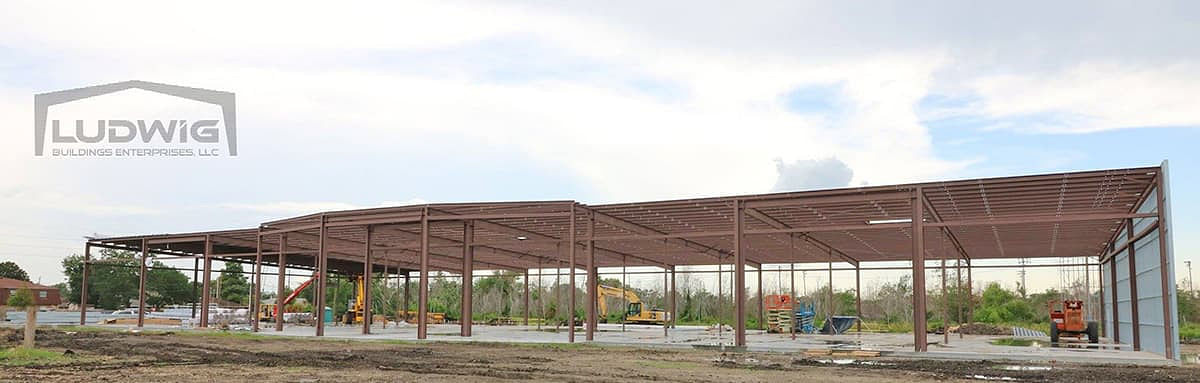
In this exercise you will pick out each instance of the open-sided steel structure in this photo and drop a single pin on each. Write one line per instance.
(1080, 214)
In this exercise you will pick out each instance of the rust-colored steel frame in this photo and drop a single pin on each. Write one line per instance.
(1040, 216)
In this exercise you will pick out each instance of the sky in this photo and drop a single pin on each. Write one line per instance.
(372, 104)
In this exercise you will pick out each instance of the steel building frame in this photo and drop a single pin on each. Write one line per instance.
(1061, 215)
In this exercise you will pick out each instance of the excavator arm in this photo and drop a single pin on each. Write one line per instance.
(295, 293)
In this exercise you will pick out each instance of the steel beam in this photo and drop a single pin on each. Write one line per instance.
(827, 200)
(644, 230)
(775, 223)
(1015, 220)
(455, 217)
(949, 233)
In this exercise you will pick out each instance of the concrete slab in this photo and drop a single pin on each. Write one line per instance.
(970, 347)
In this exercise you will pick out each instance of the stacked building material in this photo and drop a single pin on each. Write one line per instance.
(779, 313)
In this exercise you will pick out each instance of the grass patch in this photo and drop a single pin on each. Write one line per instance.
(21, 356)
(1189, 332)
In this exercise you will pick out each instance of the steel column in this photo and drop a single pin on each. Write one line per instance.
(829, 298)
(761, 310)
(141, 318)
(857, 297)
(970, 295)
(83, 284)
(571, 264)
(795, 299)
(1161, 187)
(468, 281)
(423, 282)
(257, 293)
(1133, 292)
(1100, 282)
(958, 291)
(740, 274)
(541, 297)
(918, 272)
(526, 309)
(674, 299)
(945, 305)
(406, 295)
(666, 309)
(366, 281)
(204, 289)
(323, 269)
(195, 281)
(592, 279)
(1112, 274)
(281, 283)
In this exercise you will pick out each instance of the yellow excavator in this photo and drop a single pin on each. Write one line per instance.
(636, 312)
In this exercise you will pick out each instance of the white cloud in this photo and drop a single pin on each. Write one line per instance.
(812, 174)
(1095, 96)
(320, 86)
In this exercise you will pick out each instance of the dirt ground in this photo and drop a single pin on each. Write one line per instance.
(99, 356)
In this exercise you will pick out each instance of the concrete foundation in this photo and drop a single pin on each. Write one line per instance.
(970, 347)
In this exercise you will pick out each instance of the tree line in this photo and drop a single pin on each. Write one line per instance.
(113, 284)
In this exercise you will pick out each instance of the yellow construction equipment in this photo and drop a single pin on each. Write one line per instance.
(636, 312)
(355, 313)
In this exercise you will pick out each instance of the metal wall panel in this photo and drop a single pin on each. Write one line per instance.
(1124, 314)
(1105, 279)
(1148, 275)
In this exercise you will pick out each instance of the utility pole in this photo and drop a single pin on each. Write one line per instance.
(1189, 266)
(1024, 287)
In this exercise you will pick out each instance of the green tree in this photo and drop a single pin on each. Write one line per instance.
(235, 287)
(998, 305)
(23, 299)
(73, 269)
(496, 291)
(1189, 306)
(166, 287)
(114, 279)
(10, 270)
